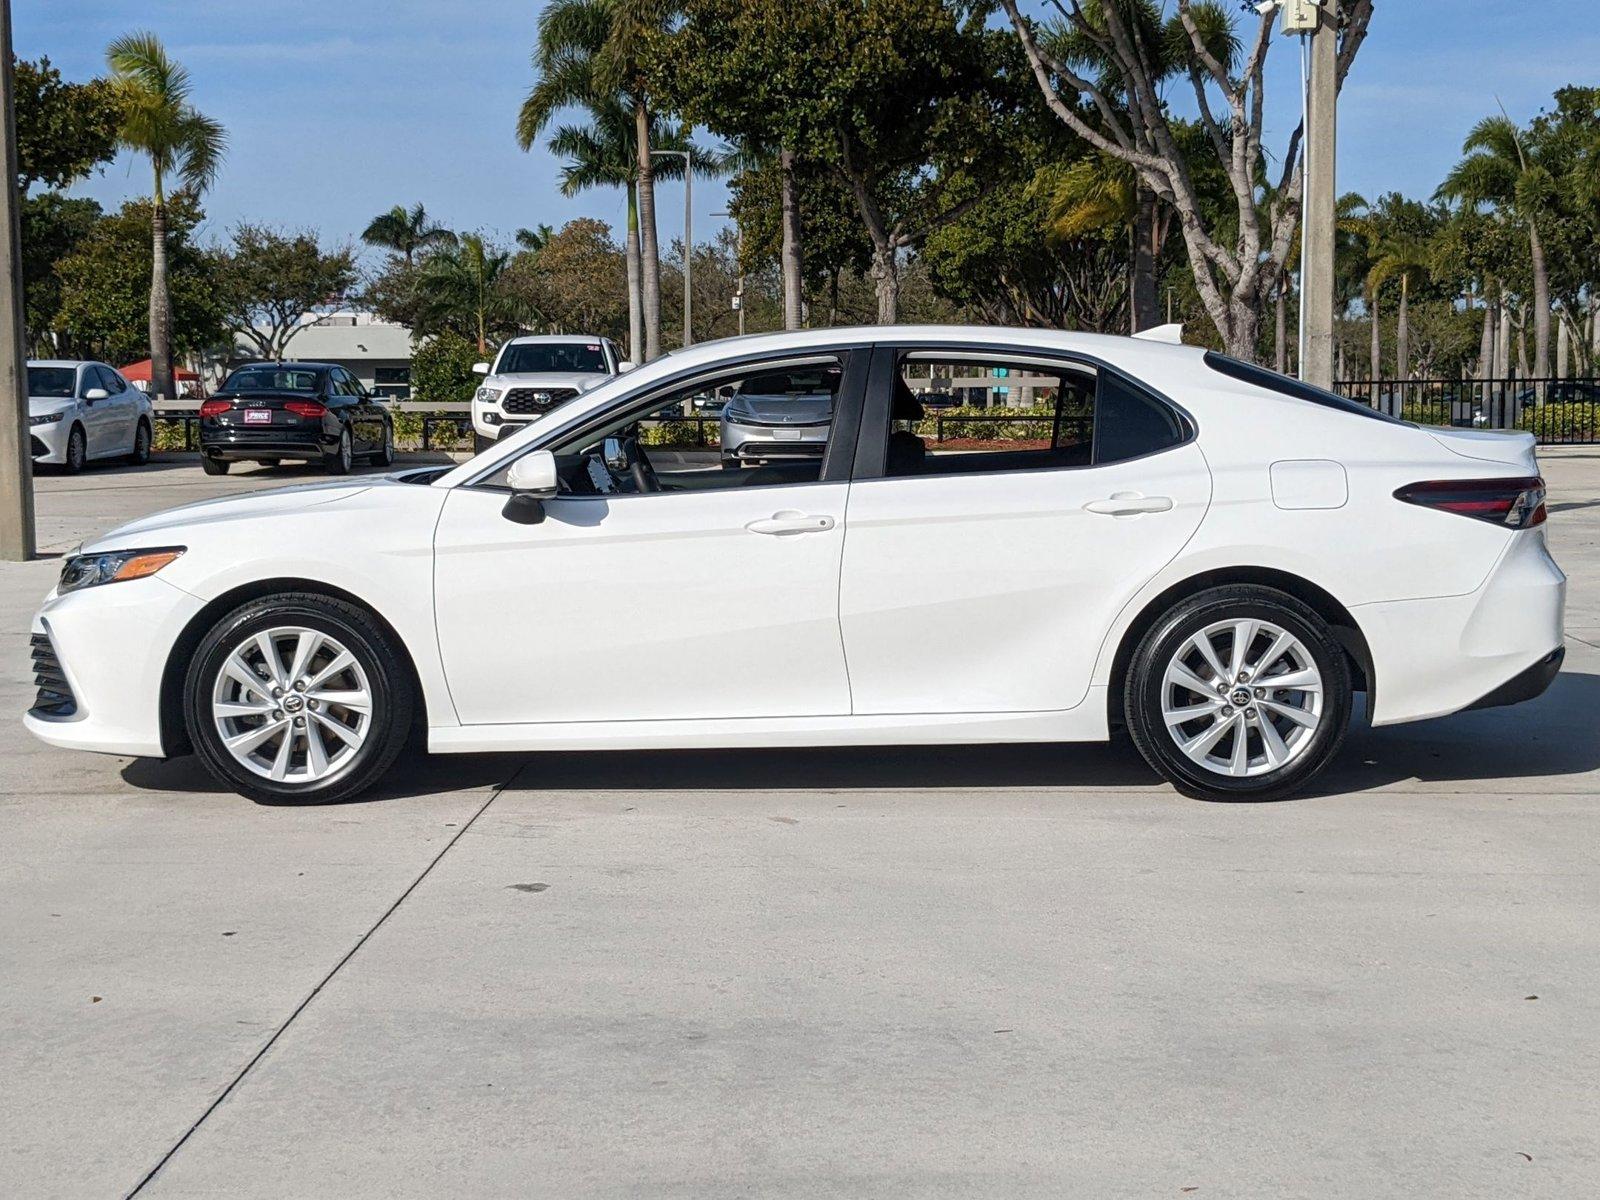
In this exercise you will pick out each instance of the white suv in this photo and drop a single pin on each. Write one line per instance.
(532, 375)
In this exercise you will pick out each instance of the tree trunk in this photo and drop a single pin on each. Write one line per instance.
(1280, 331)
(1402, 354)
(1486, 342)
(833, 298)
(886, 281)
(161, 386)
(1563, 345)
(1541, 303)
(791, 240)
(1146, 314)
(635, 298)
(650, 274)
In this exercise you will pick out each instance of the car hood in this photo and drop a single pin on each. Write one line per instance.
(782, 410)
(40, 406)
(582, 380)
(166, 528)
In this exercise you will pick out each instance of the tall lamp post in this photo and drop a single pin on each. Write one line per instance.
(16, 463)
(688, 242)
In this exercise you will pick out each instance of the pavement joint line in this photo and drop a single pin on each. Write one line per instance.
(326, 979)
(1585, 641)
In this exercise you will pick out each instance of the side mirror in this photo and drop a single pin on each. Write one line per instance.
(532, 479)
(626, 365)
(480, 368)
(96, 394)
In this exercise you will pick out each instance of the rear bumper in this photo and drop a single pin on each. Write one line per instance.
(1498, 645)
(237, 444)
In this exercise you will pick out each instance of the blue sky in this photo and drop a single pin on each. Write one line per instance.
(338, 109)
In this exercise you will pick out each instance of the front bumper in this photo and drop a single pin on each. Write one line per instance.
(49, 442)
(772, 442)
(1489, 647)
(110, 645)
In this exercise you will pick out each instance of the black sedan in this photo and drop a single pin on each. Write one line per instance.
(312, 412)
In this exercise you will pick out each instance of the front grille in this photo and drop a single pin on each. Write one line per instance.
(756, 449)
(55, 697)
(535, 400)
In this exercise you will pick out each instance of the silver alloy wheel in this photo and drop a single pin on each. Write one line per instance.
(292, 705)
(1242, 697)
(347, 455)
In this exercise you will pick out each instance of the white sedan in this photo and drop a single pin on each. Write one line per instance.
(79, 411)
(1201, 551)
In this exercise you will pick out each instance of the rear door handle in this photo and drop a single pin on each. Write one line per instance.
(789, 521)
(1127, 504)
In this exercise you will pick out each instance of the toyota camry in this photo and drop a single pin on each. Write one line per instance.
(1147, 536)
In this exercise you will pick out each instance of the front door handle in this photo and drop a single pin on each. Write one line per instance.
(789, 521)
(1127, 504)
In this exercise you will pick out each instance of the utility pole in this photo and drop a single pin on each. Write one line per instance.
(16, 463)
(688, 242)
(738, 295)
(1320, 213)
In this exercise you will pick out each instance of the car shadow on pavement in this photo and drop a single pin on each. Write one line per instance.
(1555, 735)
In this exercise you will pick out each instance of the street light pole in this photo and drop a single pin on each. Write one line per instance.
(738, 296)
(688, 243)
(16, 463)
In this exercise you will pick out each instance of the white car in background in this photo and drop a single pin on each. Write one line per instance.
(79, 411)
(1204, 552)
(532, 375)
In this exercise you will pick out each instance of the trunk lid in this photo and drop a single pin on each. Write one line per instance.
(1506, 448)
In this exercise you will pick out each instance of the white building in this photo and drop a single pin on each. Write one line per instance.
(376, 352)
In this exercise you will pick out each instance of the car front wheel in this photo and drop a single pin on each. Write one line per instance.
(1238, 693)
(297, 698)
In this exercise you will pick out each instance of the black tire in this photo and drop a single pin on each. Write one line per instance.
(214, 466)
(392, 691)
(142, 438)
(1142, 692)
(77, 455)
(385, 456)
(480, 443)
(339, 462)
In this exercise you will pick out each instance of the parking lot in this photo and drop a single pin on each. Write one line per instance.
(985, 971)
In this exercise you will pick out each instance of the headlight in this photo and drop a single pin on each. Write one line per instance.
(47, 419)
(91, 570)
(488, 395)
(735, 411)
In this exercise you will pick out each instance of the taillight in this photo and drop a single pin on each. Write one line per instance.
(306, 408)
(1515, 503)
(214, 408)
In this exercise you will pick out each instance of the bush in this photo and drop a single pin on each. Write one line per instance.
(442, 436)
(441, 370)
(1560, 421)
(993, 427)
(678, 433)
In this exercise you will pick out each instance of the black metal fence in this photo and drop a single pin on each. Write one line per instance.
(1555, 411)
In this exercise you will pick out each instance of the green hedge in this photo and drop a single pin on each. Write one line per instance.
(992, 429)
(1560, 421)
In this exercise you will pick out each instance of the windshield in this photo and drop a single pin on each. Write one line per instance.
(270, 379)
(529, 358)
(52, 382)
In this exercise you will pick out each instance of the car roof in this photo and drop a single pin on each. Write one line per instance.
(291, 362)
(555, 339)
(66, 362)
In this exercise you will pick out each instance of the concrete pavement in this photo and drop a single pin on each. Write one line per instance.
(959, 971)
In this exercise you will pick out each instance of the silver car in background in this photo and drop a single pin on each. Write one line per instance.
(782, 416)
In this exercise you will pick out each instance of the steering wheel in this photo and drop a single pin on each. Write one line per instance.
(644, 475)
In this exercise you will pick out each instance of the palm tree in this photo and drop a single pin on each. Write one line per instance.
(158, 121)
(1404, 256)
(461, 284)
(588, 53)
(601, 154)
(1504, 172)
(535, 239)
(406, 232)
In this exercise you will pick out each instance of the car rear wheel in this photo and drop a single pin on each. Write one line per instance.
(1238, 693)
(214, 466)
(77, 451)
(297, 698)
(340, 461)
(141, 444)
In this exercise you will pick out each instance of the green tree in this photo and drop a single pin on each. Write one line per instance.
(105, 285)
(271, 280)
(53, 226)
(574, 284)
(587, 54)
(1507, 173)
(406, 232)
(463, 287)
(441, 368)
(157, 120)
(64, 130)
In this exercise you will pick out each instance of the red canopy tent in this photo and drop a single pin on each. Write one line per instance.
(139, 373)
